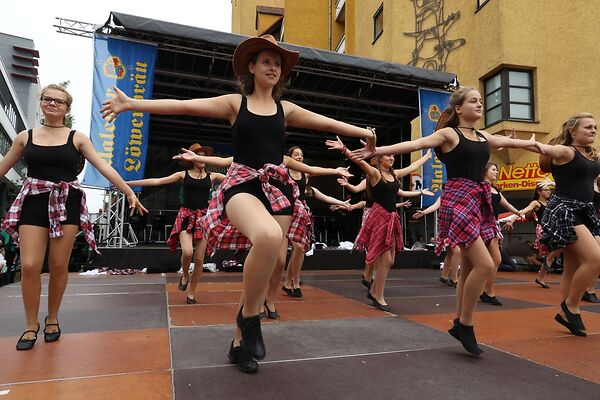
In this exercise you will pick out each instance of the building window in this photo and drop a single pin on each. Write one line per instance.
(509, 96)
(378, 23)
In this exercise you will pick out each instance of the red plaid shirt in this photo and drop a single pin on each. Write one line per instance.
(219, 232)
(465, 214)
(193, 227)
(302, 228)
(57, 210)
(380, 232)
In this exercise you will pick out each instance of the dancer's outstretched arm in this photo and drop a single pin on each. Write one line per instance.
(220, 107)
(415, 193)
(190, 156)
(173, 178)
(299, 117)
(400, 173)
(318, 195)
(290, 163)
(353, 188)
(372, 173)
(428, 210)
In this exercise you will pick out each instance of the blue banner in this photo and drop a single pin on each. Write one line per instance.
(431, 105)
(123, 143)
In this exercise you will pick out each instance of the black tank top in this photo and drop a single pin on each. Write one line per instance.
(575, 179)
(301, 185)
(196, 191)
(539, 213)
(258, 139)
(467, 159)
(385, 193)
(52, 163)
(496, 204)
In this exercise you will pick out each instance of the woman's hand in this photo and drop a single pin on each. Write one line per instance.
(418, 214)
(427, 192)
(135, 204)
(508, 226)
(367, 151)
(187, 155)
(335, 144)
(342, 181)
(343, 173)
(113, 107)
(406, 203)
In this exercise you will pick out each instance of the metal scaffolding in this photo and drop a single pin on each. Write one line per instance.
(113, 230)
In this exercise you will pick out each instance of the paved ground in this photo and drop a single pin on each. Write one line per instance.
(133, 337)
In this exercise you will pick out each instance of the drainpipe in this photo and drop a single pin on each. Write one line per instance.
(329, 26)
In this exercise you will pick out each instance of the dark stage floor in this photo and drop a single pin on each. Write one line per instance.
(133, 337)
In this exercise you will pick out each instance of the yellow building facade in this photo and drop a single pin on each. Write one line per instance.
(535, 62)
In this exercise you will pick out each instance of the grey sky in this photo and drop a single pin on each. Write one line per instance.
(65, 57)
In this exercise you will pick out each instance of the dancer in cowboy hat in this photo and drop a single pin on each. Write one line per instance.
(257, 199)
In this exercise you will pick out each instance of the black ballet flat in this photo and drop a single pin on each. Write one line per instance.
(297, 292)
(190, 300)
(451, 283)
(181, 286)
(452, 331)
(573, 322)
(288, 291)
(271, 314)
(443, 280)
(382, 307)
(51, 336)
(27, 344)
(590, 297)
(366, 283)
(542, 284)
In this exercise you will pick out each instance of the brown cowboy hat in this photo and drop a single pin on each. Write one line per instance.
(196, 148)
(250, 47)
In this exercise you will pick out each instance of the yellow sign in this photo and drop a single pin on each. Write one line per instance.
(513, 177)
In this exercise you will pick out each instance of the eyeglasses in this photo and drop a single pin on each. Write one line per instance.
(58, 102)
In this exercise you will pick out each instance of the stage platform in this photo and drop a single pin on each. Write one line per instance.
(160, 259)
(133, 337)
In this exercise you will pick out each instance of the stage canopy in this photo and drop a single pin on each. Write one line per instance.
(196, 63)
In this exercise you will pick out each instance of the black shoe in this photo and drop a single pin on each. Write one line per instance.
(252, 339)
(297, 292)
(444, 280)
(486, 298)
(493, 300)
(382, 307)
(590, 297)
(271, 314)
(573, 322)
(542, 284)
(244, 362)
(288, 291)
(181, 286)
(466, 335)
(370, 296)
(51, 336)
(367, 283)
(452, 331)
(190, 300)
(451, 283)
(27, 344)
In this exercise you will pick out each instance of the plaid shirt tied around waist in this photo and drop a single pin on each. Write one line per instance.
(465, 214)
(57, 210)
(193, 226)
(558, 229)
(219, 232)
